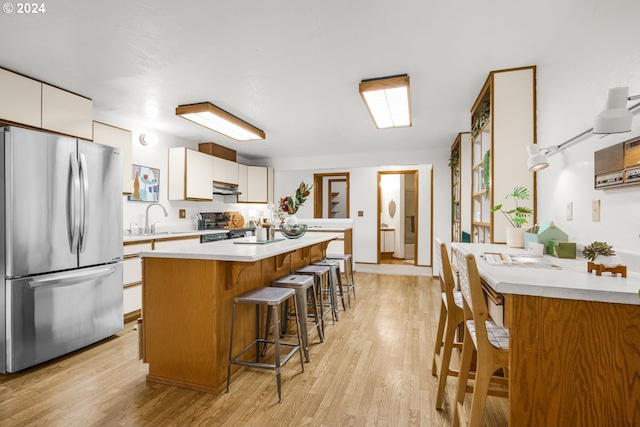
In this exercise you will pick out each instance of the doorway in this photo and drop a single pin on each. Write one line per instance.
(398, 217)
(331, 195)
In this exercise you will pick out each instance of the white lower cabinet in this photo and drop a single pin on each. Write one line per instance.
(132, 278)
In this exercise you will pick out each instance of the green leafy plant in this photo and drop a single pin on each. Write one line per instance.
(592, 251)
(518, 215)
(291, 204)
(480, 119)
(454, 159)
(486, 172)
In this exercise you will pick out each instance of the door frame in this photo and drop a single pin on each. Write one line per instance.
(318, 187)
(413, 172)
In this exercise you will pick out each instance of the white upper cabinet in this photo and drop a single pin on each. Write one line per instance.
(225, 171)
(190, 175)
(255, 184)
(67, 113)
(119, 138)
(21, 100)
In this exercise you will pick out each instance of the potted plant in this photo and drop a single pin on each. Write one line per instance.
(517, 216)
(604, 254)
(291, 204)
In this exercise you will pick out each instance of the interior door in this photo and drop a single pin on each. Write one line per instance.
(38, 179)
(101, 205)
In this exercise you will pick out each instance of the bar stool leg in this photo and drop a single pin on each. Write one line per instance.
(316, 315)
(339, 280)
(233, 321)
(301, 307)
(276, 340)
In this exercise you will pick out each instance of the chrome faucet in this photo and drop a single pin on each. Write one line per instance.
(146, 217)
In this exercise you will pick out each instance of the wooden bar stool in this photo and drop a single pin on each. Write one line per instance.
(348, 273)
(451, 317)
(304, 286)
(335, 282)
(271, 297)
(321, 275)
(490, 342)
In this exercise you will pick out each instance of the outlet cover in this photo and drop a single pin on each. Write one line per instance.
(595, 210)
(182, 213)
(569, 211)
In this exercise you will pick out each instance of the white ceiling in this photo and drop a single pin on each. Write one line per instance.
(289, 67)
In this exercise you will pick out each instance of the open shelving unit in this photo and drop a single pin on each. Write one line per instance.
(503, 123)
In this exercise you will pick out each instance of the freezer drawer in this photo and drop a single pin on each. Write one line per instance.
(54, 314)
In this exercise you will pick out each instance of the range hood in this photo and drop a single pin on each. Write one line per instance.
(225, 189)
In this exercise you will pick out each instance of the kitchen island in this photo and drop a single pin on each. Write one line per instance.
(187, 300)
(574, 340)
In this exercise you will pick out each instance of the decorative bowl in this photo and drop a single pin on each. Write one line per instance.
(293, 231)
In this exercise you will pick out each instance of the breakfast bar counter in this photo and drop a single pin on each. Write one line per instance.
(574, 346)
(187, 300)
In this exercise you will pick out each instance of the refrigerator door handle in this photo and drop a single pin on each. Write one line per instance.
(84, 204)
(73, 205)
(66, 279)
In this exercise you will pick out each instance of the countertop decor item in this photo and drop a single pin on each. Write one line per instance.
(293, 231)
(291, 204)
(517, 216)
(602, 258)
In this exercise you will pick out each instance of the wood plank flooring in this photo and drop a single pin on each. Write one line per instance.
(374, 369)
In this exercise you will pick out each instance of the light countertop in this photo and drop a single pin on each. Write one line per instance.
(571, 282)
(227, 250)
(169, 235)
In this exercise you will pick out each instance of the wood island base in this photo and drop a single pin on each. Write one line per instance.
(186, 311)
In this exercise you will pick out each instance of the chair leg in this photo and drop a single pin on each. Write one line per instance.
(479, 398)
(445, 361)
(439, 334)
(463, 376)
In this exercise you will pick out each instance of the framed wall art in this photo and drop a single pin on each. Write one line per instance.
(146, 184)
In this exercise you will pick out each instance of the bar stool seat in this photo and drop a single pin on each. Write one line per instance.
(272, 297)
(321, 273)
(348, 273)
(335, 282)
(303, 285)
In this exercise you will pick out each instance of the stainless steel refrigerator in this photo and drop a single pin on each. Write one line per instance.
(61, 246)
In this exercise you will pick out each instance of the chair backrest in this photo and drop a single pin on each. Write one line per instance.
(447, 283)
(473, 295)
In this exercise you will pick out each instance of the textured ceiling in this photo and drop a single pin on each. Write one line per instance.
(289, 67)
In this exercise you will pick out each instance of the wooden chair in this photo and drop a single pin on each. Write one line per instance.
(490, 342)
(451, 317)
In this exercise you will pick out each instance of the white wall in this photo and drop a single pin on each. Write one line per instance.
(599, 49)
(363, 189)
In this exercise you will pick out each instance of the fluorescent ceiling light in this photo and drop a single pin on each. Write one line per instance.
(388, 101)
(218, 120)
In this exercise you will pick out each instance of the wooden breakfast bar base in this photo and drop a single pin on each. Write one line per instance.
(574, 341)
(188, 297)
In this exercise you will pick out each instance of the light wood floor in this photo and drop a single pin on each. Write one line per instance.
(374, 369)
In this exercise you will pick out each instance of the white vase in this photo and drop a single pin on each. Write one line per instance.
(515, 237)
(291, 220)
(609, 261)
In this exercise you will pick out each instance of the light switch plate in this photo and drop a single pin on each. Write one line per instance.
(595, 210)
(569, 211)
(182, 213)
